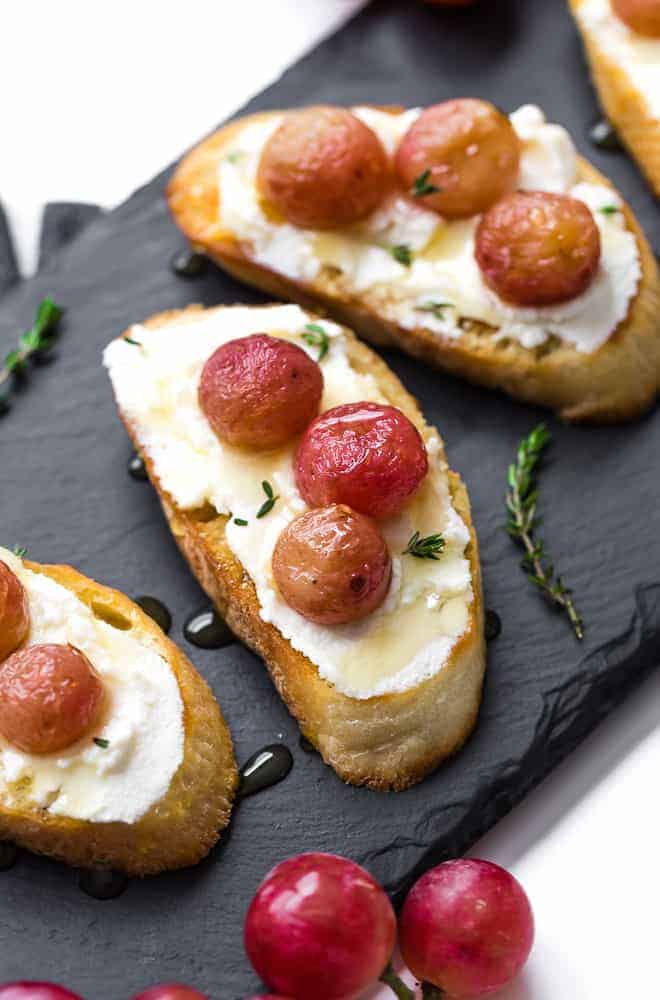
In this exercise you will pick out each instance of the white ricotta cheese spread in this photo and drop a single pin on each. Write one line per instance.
(638, 56)
(410, 637)
(443, 269)
(142, 720)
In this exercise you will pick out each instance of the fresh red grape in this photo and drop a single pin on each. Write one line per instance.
(319, 926)
(466, 927)
(14, 612)
(332, 565)
(536, 249)
(49, 697)
(467, 150)
(260, 391)
(169, 991)
(643, 16)
(323, 168)
(24, 990)
(365, 455)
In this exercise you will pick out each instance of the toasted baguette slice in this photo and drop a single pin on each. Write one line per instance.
(623, 104)
(617, 382)
(182, 827)
(384, 742)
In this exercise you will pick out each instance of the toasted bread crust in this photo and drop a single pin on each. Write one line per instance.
(617, 382)
(625, 107)
(386, 742)
(182, 827)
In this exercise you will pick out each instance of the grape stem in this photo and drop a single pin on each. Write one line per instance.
(398, 987)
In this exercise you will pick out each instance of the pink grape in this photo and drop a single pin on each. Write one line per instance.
(170, 991)
(24, 990)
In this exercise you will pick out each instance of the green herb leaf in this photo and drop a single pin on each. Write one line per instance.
(521, 499)
(435, 308)
(240, 522)
(14, 360)
(403, 254)
(271, 500)
(316, 336)
(235, 156)
(422, 186)
(429, 547)
(20, 551)
(35, 340)
(134, 343)
(609, 210)
(104, 744)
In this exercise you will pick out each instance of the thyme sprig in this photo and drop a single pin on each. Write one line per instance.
(20, 551)
(35, 342)
(429, 547)
(436, 309)
(316, 336)
(269, 502)
(521, 502)
(422, 186)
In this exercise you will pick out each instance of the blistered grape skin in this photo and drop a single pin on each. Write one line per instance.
(332, 565)
(319, 926)
(258, 392)
(466, 927)
(323, 168)
(170, 991)
(468, 149)
(24, 990)
(14, 612)
(49, 697)
(537, 249)
(642, 16)
(366, 455)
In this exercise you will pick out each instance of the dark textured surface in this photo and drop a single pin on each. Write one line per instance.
(8, 266)
(61, 222)
(66, 495)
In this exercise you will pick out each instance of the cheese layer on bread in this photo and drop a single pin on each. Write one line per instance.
(141, 721)
(637, 56)
(410, 637)
(440, 287)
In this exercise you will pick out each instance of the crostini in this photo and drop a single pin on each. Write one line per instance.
(622, 42)
(391, 221)
(113, 751)
(316, 508)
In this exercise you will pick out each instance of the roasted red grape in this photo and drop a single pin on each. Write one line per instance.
(643, 16)
(170, 991)
(332, 565)
(323, 168)
(537, 249)
(35, 991)
(459, 157)
(467, 928)
(365, 455)
(49, 697)
(14, 612)
(319, 926)
(260, 391)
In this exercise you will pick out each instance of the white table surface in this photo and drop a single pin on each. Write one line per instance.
(90, 122)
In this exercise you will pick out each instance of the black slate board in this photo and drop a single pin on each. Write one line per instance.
(65, 494)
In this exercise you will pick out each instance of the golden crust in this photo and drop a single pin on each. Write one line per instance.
(183, 826)
(618, 382)
(387, 742)
(625, 107)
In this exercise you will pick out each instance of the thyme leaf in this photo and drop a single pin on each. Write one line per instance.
(104, 744)
(269, 502)
(134, 343)
(435, 308)
(35, 341)
(316, 336)
(609, 210)
(422, 186)
(403, 254)
(20, 551)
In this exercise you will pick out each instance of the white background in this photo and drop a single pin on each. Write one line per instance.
(99, 97)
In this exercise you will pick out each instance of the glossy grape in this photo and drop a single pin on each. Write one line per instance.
(49, 697)
(258, 392)
(14, 612)
(319, 926)
(170, 991)
(366, 455)
(643, 16)
(332, 565)
(465, 148)
(536, 249)
(323, 168)
(466, 927)
(35, 991)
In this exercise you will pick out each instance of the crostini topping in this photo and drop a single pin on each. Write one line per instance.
(87, 781)
(642, 16)
(460, 156)
(50, 695)
(332, 565)
(538, 249)
(259, 392)
(14, 612)
(424, 548)
(405, 640)
(323, 168)
(366, 455)
(634, 51)
(441, 266)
